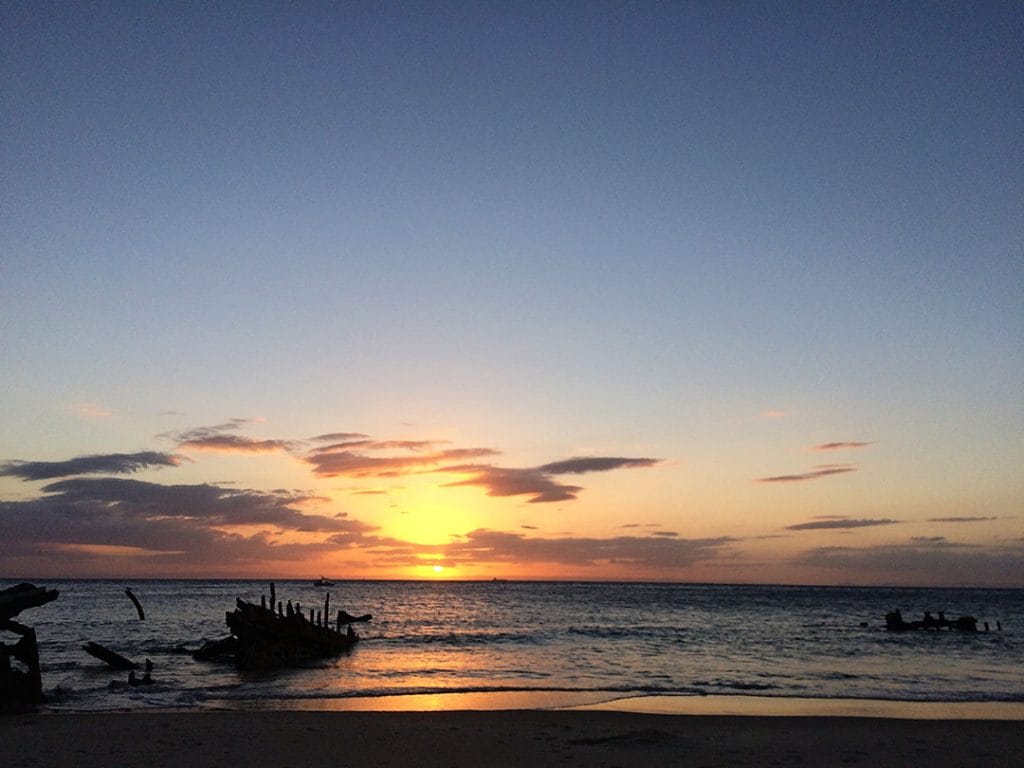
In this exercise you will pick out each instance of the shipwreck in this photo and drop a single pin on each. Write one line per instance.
(282, 634)
(21, 685)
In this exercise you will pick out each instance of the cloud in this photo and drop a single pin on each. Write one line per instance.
(193, 521)
(335, 437)
(960, 519)
(840, 446)
(487, 546)
(936, 562)
(367, 457)
(221, 528)
(220, 439)
(538, 481)
(841, 523)
(580, 465)
(91, 411)
(822, 471)
(504, 481)
(111, 463)
(332, 462)
(235, 444)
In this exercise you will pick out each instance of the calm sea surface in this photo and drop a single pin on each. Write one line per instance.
(598, 641)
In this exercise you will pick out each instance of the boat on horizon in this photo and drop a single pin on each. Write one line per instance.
(323, 581)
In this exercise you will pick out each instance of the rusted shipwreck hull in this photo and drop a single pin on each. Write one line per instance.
(21, 687)
(265, 638)
(894, 622)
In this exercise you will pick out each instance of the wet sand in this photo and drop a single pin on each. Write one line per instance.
(535, 738)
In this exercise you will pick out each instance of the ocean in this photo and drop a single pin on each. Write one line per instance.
(577, 642)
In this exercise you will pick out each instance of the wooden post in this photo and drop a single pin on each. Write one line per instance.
(319, 618)
(327, 607)
(273, 596)
(339, 621)
(263, 602)
(312, 616)
(280, 608)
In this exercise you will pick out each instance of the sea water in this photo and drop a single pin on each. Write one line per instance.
(585, 642)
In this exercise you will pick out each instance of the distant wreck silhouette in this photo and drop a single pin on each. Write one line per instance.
(894, 622)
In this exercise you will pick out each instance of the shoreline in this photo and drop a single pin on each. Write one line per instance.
(527, 737)
(739, 705)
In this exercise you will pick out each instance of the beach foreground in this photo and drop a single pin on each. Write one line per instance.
(474, 738)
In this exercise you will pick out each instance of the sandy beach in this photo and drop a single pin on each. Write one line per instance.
(536, 738)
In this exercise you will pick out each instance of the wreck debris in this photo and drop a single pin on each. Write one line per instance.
(14, 600)
(21, 688)
(135, 600)
(113, 659)
(894, 622)
(271, 636)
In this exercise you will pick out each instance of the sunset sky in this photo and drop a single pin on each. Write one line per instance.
(726, 292)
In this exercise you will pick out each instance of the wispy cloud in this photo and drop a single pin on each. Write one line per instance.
(334, 462)
(960, 519)
(539, 482)
(111, 463)
(925, 562)
(487, 546)
(90, 411)
(506, 481)
(839, 446)
(221, 439)
(234, 444)
(821, 471)
(582, 464)
(839, 523)
(337, 437)
(364, 456)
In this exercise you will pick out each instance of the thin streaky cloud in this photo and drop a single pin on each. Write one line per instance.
(334, 463)
(235, 444)
(488, 546)
(87, 410)
(961, 519)
(955, 564)
(843, 524)
(111, 463)
(839, 446)
(814, 474)
(337, 437)
(581, 464)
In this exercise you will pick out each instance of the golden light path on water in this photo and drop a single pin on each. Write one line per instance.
(728, 706)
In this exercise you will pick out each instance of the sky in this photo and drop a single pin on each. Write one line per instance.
(711, 292)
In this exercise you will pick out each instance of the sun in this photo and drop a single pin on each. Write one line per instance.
(438, 568)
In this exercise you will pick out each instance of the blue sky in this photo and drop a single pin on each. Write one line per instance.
(711, 234)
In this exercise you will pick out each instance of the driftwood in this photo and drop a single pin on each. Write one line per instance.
(111, 658)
